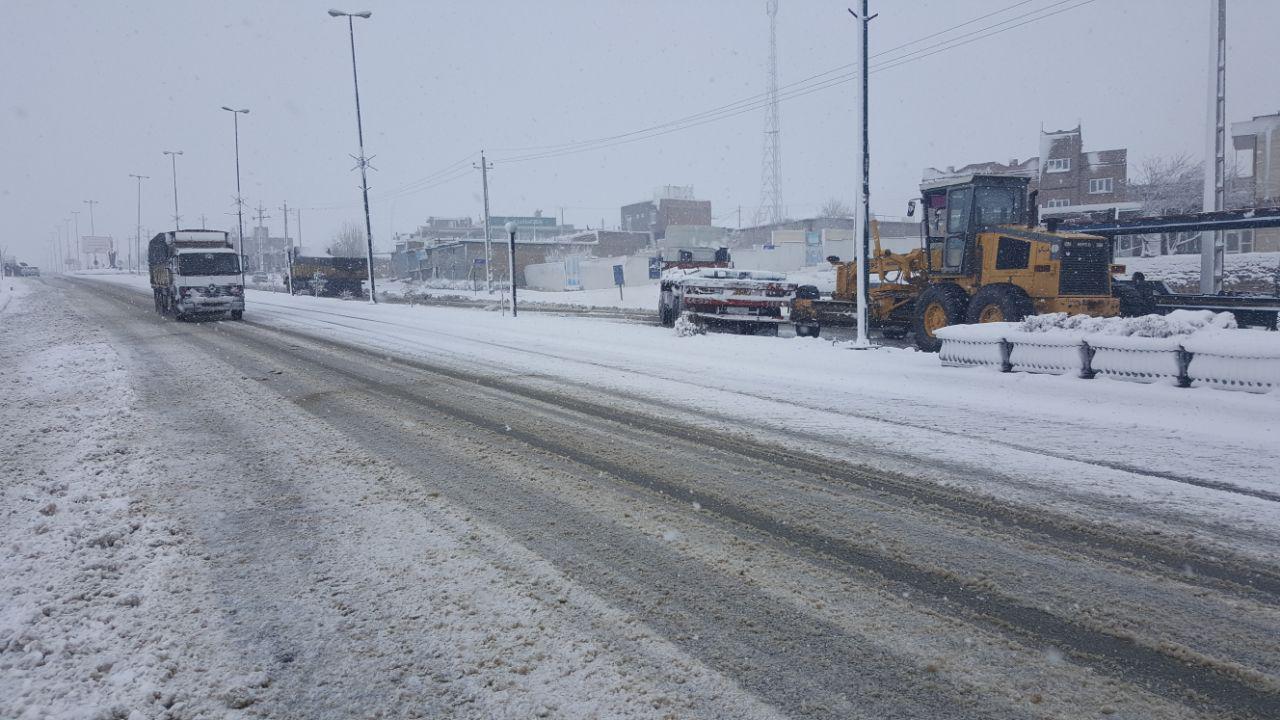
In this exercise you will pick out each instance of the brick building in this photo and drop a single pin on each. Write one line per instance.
(671, 205)
(1070, 180)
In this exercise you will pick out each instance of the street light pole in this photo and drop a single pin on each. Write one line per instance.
(173, 155)
(79, 248)
(138, 230)
(511, 243)
(362, 161)
(864, 247)
(92, 232)
(235, 118)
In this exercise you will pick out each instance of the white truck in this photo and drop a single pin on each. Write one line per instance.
(750, 302)
(196, 273)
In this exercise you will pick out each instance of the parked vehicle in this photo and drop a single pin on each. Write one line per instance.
(328, 276)
(195, 273)
(744, 301)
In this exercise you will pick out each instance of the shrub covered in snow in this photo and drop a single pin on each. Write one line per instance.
(687, 325)
(1178, 322)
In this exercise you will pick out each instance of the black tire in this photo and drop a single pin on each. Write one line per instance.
(944, 302)
(237, 314)
(999, 302)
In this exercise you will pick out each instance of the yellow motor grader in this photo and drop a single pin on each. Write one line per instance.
(983, 259)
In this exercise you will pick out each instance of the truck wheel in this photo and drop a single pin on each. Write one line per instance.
(939, 306)
(1000, 302)
(237, 314)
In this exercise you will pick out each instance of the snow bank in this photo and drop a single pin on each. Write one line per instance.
(1184, 346)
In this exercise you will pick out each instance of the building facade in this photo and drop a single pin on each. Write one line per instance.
(671, 205)
(1257, 184)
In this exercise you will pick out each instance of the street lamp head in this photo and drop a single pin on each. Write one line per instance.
(224, 107)
(511, 228)
(363, 14)
(337, 13)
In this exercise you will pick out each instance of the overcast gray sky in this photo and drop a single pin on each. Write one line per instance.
(93, 91)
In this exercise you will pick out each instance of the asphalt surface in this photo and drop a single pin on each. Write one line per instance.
(819, 588)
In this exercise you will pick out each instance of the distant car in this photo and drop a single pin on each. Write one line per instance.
(261, 278)
(30, 271)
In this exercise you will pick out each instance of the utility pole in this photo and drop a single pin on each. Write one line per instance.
(864, 248)
(288, 246)
(78, 247)
(260, 235)
(299, 212)
(173, 155)
(92, 232)
(203, 221)
(1211, 245)
(138, 227)
(67, 250)
(488, 248)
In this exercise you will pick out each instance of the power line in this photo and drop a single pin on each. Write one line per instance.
(790, 91)
(797, 89)
(754, 99)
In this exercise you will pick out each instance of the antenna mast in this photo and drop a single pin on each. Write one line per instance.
(770, 209)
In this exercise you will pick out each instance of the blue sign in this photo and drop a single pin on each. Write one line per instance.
(617, 275)
(478, 261)
(655, 268)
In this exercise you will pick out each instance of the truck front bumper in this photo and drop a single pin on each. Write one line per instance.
(210, 305)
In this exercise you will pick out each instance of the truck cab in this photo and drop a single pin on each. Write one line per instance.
(196, 273)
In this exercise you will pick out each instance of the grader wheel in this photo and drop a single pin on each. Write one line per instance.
(937, 307)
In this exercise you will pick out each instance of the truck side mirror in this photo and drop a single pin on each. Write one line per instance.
(833, 259)
(911, 208)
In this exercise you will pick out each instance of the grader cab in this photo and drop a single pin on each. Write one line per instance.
(983, 259)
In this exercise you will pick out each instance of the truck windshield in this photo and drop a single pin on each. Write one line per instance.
(208, 264)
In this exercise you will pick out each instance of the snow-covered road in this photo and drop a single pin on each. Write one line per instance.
(343, 510)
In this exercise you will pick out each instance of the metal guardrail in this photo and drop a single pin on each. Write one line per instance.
(1184, 361)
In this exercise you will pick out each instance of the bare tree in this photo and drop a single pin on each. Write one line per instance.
(1169, 185)
(348, 241)
(834, 207)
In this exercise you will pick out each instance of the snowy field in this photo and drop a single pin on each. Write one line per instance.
(1095, 448)
(1243, 272)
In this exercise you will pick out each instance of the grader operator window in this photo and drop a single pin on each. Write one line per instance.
(998, 206)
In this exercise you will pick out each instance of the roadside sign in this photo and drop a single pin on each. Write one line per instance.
(655, 268)
(618, 279)
(478, 261)
(91, 244)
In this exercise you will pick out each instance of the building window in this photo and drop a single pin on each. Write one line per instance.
(1058, 202)
(1239, 241)
(1100, 185)
(1057, 165)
